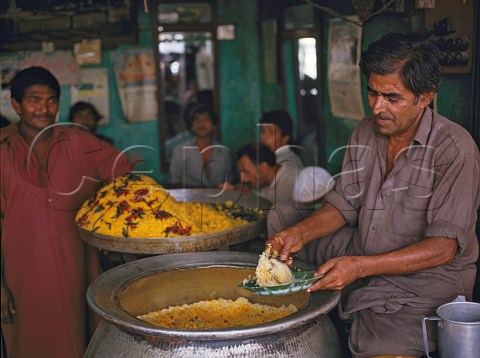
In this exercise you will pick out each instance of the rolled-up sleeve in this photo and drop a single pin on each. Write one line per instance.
(343, 206)
(455, 200)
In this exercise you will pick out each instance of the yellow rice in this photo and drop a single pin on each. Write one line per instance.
(136, 206)
(219, 313)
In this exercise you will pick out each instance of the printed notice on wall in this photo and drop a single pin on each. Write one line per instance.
(60, 63)
(93, 88)
(344, 82)
(135, 72)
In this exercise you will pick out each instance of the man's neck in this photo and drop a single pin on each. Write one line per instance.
(30, 134)
(203, 142)
(272, 173)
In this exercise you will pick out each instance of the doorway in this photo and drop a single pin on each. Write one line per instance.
(186, 53)
(303, 94)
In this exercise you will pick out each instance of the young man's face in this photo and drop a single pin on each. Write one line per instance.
(396, 109)
(202, 125)
(86, 118)
(38, 108)
(271, 136)
(250, 174)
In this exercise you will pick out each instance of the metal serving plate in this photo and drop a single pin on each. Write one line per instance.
(204, 242)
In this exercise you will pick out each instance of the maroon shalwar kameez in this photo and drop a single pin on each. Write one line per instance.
(45, 259)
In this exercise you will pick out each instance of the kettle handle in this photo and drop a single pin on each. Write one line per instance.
(424, 331)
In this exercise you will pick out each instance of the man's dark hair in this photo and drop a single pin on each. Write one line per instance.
(30, 77)
(282, 119)
(415, 59)
(260, 153)
(199, 109)
(80, 106)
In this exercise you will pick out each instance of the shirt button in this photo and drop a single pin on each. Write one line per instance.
(50, 200)
(374, 228)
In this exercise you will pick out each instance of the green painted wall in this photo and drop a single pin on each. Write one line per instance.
(289, 85)
(244, 94)
(338, 130)
(139, 140)
(454, 96)
(240, 74)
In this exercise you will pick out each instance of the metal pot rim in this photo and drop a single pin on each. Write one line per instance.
(102, 296)
(440, 312)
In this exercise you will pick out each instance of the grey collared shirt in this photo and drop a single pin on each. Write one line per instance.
(433, 191)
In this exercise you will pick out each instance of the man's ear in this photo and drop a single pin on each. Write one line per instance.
(15, 105)
(285, 139)
(426, 98)
(262, 166)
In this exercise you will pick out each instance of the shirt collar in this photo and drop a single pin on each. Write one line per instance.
(9, 132)
(282, 150)
(424, 127)
(423, 130)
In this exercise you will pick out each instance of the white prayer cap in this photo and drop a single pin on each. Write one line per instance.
(312, 183)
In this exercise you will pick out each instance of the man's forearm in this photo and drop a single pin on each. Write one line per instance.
(430, 252)
(322, 222)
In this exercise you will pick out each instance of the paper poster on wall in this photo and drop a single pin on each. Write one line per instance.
(61, 63)
(6, 108)
(93, 88)
(9, 66)
(344, 81)
(135, 73)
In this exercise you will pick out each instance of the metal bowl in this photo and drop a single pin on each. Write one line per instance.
(204, 242)
(121, 294)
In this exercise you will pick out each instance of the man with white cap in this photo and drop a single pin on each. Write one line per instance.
(311, 185)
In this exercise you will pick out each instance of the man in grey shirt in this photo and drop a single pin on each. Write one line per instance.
(410, 190)
(201, 161)
(260, 172)
(276, 132)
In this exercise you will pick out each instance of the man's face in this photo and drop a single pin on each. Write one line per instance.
(202, 125)
(250, 174)
(271, 136)
(87, 118)
(38, 108)
(396, 109)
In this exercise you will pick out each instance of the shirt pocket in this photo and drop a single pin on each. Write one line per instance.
(408, 216)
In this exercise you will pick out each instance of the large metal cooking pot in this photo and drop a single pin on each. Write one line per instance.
(150, 284)
(194, 243)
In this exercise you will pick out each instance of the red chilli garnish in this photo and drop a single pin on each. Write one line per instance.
(160, 214)
(178, 229)
(140, 194)
(121, 191)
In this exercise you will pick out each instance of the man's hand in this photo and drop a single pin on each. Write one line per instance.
(285, 242)
(7, 305)
(339, 273)
(322, 222)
